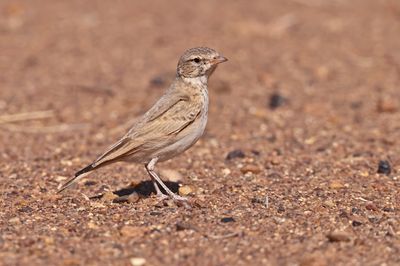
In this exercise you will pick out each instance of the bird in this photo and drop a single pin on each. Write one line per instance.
(170, 127)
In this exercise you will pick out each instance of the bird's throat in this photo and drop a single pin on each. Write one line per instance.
(200, 82)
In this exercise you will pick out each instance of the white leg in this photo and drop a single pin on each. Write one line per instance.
(156, 179)
(158, 191)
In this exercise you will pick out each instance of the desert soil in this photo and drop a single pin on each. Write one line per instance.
(301, 118)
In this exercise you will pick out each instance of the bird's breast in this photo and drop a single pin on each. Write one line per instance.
(204, 112)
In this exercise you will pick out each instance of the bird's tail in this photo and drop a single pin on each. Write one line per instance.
(80, 174)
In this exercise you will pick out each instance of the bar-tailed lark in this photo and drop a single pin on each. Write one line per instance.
(175, 122)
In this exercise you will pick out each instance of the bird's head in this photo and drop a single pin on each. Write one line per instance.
(199, 62)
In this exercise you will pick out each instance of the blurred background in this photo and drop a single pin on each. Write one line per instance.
(97, 62)
(309, 99)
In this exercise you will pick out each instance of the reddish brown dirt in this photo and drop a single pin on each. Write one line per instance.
(98, 64)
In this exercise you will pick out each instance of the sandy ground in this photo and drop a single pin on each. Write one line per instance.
(286, 173)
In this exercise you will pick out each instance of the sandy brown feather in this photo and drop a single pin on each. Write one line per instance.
(157, 125)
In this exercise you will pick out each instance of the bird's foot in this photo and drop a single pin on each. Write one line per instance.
(181, 201)
(176, 197)
(161, 196)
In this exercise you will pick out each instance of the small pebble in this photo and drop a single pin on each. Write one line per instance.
(90, 183)
(373, 219)
(25, 209)
(384, 167)
(281, 208)
(180, 226)
(329, 204)
(356, 223)
(275, 161)
(250, 168)
(131, 231)
(138, 261)
(387, 105)
(109, 196)
(235, 154)
(171, 175)
(227, 220)
(279, 220)
(276, 100)
(226, 171)
(336, 184)
(338, 236)
(13, 176)
(186, 190)
(371, 206)
(60, 178)
(307, 213)
(14, 220)
(92, 225)
(388, 209)
(131, 198)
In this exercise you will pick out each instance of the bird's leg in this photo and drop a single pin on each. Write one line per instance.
(169, 192)
(158, 191)
(154, 176)
(153, 180)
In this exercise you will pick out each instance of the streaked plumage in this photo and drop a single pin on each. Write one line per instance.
(175, 122)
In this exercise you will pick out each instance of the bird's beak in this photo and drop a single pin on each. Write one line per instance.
(218, 60)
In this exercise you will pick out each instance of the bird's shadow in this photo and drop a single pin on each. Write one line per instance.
(143, 189)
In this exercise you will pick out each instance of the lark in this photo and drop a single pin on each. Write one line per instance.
(175, 122)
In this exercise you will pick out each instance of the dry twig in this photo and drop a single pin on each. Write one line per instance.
(45, 129)
(26, 116)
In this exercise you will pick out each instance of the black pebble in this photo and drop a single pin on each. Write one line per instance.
(90, 183)
(281, 209)
(235, 154)
(227, 220)
(387, 209)
(25, 209)
(384, 167)
(373, 220)
(356, 223)
(181, 226)
(276, 100)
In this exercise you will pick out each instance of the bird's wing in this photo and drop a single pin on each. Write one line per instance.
(168, 121)
(113, 152)
(171, 114)
(165, 103)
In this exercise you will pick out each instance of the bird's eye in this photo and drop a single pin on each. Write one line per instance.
(196, 60)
